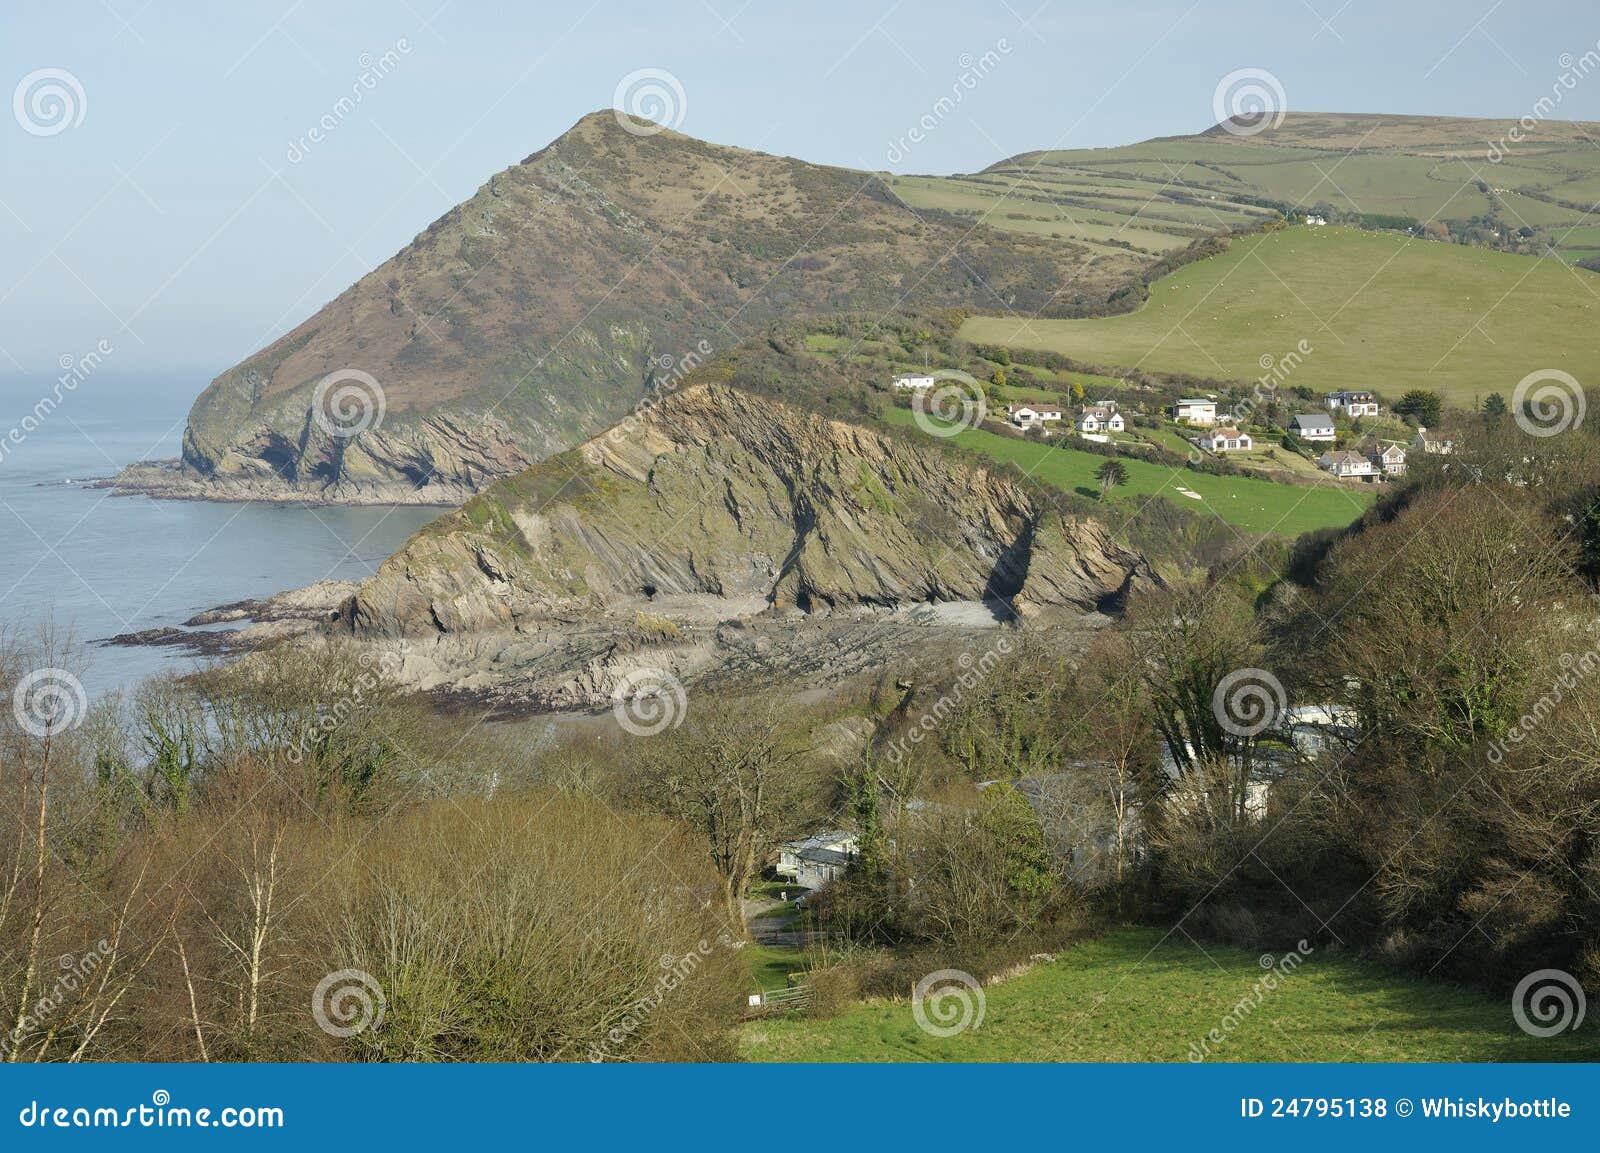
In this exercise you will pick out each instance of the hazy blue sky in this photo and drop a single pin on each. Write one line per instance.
(173, 222)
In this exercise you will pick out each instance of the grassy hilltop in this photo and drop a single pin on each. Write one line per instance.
(1381, 311)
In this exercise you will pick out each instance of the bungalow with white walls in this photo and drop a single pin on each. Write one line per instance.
(1029, 415)
(1352, 403)
(817, 860)
(907, 383)
(1101, 417)
(1226, 440)
(1348, 465)
(1195, 411)
(1312, 426)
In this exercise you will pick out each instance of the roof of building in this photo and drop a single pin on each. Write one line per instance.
(1229, 433)
(1345, 456)
(1313, 420)
(1196, 400)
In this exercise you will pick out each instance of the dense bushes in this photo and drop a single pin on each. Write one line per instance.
(201, 880)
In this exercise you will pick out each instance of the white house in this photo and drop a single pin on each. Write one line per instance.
(1102, 417)
(1432, 442)
(913, 382)
(1029, 415)
(1354, 403)
(1226, 440)
(1348, 465)
(818, 860)
(1195, 411)
(1317, 221)
(1312, 426)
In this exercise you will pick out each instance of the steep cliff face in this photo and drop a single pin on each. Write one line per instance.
(722, 495)
(539, 311)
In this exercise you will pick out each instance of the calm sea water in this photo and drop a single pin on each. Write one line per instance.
(98, 565)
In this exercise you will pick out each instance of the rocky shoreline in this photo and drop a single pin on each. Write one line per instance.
(171, 480)
(294, 613)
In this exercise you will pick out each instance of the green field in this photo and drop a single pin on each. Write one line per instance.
(1139, 995)
(1249, 504)
(1379, 311)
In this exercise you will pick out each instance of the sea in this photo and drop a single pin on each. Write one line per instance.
(82, 563)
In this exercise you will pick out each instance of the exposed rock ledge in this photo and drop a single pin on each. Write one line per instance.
(722, 534)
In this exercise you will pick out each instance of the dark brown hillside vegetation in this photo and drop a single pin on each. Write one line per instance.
(1457, 830)
(536, 312)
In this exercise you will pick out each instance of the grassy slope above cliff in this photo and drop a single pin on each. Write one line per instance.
(1379, 311)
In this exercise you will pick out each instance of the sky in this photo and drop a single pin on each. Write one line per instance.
(162, 193)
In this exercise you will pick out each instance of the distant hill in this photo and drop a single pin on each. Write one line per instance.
(1473, 178)
(542, 308)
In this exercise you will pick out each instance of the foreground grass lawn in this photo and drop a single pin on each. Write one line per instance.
(1379, 310)
(1249, 504)
(1132, 996)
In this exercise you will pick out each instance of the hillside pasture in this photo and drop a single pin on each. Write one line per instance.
(1380, 310)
